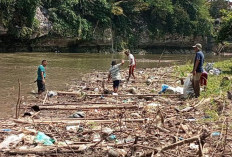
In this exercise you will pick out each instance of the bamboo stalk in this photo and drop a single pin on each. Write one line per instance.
(76, 122)
(19, 101)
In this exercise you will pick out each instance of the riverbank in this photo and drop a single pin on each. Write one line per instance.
(84, 121)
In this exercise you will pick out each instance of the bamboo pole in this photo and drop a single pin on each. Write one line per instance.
(75, 122)
(19, 101)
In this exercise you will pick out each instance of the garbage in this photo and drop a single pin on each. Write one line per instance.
(193, 146)
(96, 90)
(135, 115)
(114, 93)
(44, 139)
(5, 130)
(112, 137)
(216, 134)
(116, 152)
(209, 66)
(12, 140)
(35, 108)
(132, 91)
(78, 114)
(72, 128)
(188, 87)
(96, 137)
(107, 130)
(215, 71)
(151, 105)
(171, 90)
(149, 81)
(164, 88)
(52, 93)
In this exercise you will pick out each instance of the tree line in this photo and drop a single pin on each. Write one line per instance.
(127, 19)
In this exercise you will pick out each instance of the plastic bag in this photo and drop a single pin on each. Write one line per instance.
(42, 138)
(12, 139)
(188, 87)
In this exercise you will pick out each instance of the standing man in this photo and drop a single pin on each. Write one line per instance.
(114, 73)
(197, 69)
(41, 72)
(132, 64)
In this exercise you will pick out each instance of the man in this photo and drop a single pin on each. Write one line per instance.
(114, 73)
(41, 72)
(132, 64)
(197, 69)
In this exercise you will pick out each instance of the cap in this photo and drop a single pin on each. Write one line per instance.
(199, 46)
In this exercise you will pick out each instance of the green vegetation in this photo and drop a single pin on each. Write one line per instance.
(215, 85)
(127, 19)
(225, 32)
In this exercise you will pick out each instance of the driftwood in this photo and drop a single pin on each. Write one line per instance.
(125, 95)
(75, 122)
(104, 107)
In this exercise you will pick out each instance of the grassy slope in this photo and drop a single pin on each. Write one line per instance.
(214, 87)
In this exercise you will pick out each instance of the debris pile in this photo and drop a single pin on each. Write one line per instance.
(87, 120)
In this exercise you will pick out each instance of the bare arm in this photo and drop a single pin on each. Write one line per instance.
(109, 77)
(43, 80)
(195, 67)
(122, 62)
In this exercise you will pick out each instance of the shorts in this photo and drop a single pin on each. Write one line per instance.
(40, 85)
(131, 69)
(116, 83)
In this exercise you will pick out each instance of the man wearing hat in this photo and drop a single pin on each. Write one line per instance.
(197, 68)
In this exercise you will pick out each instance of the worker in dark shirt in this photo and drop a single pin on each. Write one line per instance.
(197, 68)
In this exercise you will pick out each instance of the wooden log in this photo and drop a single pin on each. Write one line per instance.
(75, 122)
(122, 95)
(103, 107)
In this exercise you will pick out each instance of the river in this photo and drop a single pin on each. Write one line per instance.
(62, 69)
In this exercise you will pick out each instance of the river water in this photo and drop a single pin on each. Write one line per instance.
(62, 69)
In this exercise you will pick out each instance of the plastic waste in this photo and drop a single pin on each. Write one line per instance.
(96, 90)
(96, 137)
(5, 130)
(114, 93)
(153, 105)
(193, 146)
(52, 93)
(164, 88)
(188, 88)
(44, 139)
(191, 119)
(209, 66)
(112, 137)
(216, 134)
(12, 140)
(215, 71)
(107, 130)
(72, 128)
(78, 114)
(133, 91)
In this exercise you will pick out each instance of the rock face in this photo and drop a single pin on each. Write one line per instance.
(44, 24)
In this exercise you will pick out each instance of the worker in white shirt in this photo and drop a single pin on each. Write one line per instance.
(132, 64)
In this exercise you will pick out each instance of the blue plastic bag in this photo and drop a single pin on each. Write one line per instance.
(42, 138)
(164, 88)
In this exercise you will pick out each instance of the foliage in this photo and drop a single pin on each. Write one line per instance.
(216, 7)
(127, 19)
(225, 32)
(214, 82)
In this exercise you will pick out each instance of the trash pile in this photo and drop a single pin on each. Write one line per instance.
(148, 117)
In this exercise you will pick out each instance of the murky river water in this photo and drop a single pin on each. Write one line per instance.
(62, 69)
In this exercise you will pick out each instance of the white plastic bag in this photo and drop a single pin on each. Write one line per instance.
(12, 140)
(188, 87)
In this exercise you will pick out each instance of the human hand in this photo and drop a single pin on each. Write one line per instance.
(43, 81)
(194, 72)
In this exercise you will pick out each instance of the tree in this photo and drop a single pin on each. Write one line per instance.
(225, 32)
(216, 6)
